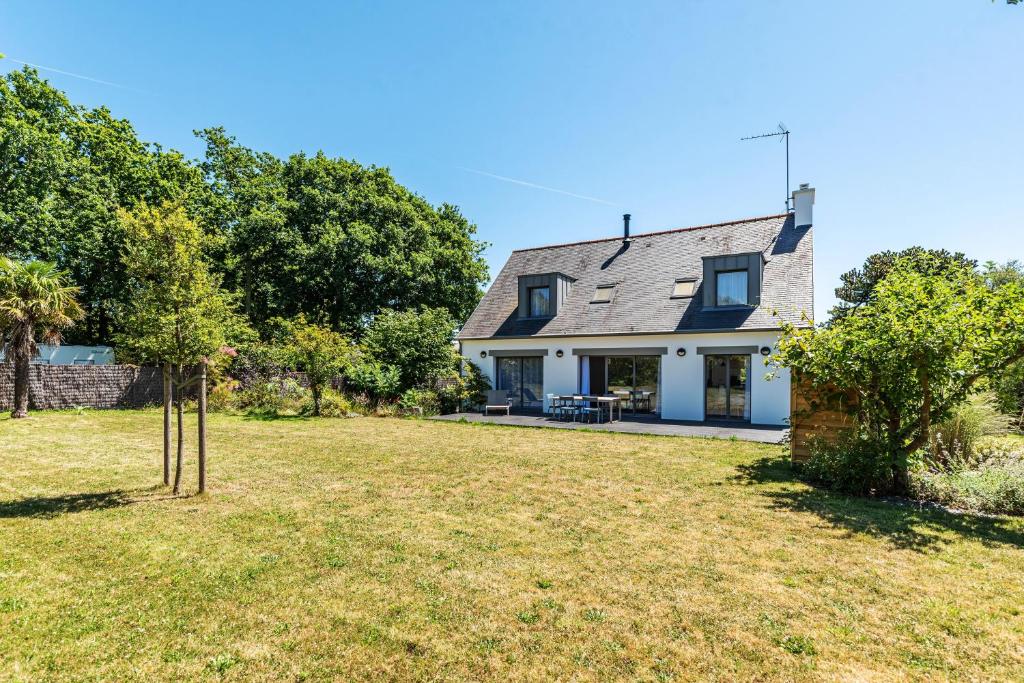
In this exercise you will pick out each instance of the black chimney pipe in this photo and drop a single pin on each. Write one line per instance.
(625, 227)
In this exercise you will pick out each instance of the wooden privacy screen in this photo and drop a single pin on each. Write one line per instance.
(821, 412)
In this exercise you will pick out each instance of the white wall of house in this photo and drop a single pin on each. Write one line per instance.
(72, 355)
(682, 377)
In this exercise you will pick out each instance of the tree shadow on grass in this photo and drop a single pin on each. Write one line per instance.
(48, 507)
(903, 523)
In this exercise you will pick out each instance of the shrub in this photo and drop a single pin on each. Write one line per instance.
(374, 379)
(993, 487)
(954, 441)
(853, 464)
(425, 399)
(418, 343)
(332, 404)
(222, 396)
(273, 397)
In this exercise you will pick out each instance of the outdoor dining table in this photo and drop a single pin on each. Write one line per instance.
(610, 401)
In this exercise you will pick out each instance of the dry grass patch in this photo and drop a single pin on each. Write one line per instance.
(374, 549)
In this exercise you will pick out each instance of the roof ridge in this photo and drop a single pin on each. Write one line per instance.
(657, 232)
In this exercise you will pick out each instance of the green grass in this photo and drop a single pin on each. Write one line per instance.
(384, 549)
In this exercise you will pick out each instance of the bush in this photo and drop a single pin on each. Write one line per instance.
(332, 404)
(376, 381)
(853, 464)
(954, 442)
(993, 487)
(426, 400)
(222, 396)
(273, 397)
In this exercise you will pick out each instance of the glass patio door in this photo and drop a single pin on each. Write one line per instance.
(523, 378)
(635, 380)
(727, 387)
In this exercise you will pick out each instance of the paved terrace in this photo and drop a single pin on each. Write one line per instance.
(631, 425)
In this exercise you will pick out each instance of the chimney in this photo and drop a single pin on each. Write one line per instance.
(803, 206)
(625, 228)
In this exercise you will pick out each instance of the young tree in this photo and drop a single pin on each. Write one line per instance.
(418, 343)
(319, 352)
(912, 352)
(36, 302)
(178, 314)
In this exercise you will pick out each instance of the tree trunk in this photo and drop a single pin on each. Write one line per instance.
(21, 362)
(316, 400)
(168, 399)
(202, 427)
(181, 435)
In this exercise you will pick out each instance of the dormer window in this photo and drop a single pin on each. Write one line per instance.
(542, 294)
(684, 288)
(733, 280)
(731, 288)
(603, 294)
(540, 302)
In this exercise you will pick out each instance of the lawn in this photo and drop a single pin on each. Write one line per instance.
(407, 549)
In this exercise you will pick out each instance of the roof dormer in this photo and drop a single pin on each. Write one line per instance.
(541, 295)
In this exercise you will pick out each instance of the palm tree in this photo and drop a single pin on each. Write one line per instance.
(35, 301)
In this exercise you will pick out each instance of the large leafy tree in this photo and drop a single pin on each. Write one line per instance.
(858, 285)
(177, 313)
(36, 303)
(912, 352)
(335, 240)
(64, 172)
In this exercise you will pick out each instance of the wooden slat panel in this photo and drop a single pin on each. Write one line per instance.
(816, 413)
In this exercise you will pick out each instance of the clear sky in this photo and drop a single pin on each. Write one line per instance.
(906, 117)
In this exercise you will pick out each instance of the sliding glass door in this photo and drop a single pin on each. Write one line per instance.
(634, 379)
(727, 387)
(523, 378)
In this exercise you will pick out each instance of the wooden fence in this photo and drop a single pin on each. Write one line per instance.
(816, 413)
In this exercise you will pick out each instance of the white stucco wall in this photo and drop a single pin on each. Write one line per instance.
(682, 378)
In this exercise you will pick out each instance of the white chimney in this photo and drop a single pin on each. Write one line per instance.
(803, 206)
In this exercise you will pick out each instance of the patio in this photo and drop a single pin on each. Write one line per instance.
(634, 425)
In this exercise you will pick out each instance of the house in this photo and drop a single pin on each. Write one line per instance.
(677, 322)
(51, 354)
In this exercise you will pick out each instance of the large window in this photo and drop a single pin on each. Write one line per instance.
(523, 379)
(540, 302)
(634, 379)
(731, 288)
(727, 387)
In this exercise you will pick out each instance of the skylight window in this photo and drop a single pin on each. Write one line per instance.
(683, 289)
(603, 294)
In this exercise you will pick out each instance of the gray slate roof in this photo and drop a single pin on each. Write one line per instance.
(645, 273)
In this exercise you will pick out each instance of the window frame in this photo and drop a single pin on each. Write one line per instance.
(611, 293)
(693, 291)
(746, 287)
(529, 301)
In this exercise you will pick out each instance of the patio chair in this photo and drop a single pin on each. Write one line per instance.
(563, 407)
(498, 399)
(589, 409)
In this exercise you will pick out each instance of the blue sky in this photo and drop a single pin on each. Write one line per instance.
(906, 117)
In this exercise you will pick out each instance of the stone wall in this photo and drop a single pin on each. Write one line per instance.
(60, 387)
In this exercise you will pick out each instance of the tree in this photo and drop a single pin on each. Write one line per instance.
(418, 343)
(64, 171)
(36, 302)
(912, 352)
(319, 352)
(335, 240)
(858, 285)
(178, 314)
(1008, 384)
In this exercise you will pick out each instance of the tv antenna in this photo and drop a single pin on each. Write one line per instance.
(783, 134)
